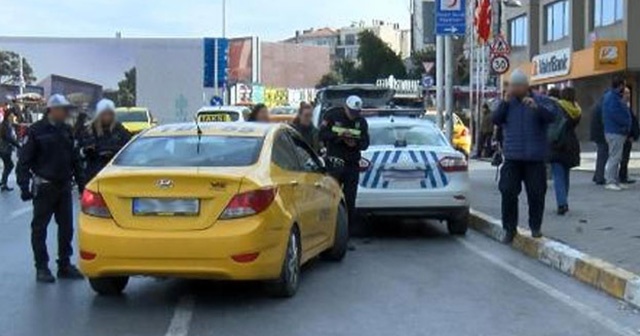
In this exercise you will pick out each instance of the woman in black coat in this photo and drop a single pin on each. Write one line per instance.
(565, 151)
(8, 142)
(103, 138)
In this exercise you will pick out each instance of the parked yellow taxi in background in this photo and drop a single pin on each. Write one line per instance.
(232, 201)
(461, 136)
(135, 119)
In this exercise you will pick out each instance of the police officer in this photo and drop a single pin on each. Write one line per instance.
(47, 164)
(345, 134)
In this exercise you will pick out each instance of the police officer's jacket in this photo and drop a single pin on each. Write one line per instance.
(335, 144)
(50, 154)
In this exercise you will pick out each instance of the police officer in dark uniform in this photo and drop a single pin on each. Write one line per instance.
(345, 134)
(47, 164)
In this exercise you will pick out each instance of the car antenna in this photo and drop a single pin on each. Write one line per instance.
(199, 132)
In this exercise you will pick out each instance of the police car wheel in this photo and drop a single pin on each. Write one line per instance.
(287, 284)
(109, 286)
(458, 224)
(338, 251)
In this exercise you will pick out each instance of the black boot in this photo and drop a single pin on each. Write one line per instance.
(69, 271)
(5, 188)
(43, 275)
(509, 236)
(537, 234)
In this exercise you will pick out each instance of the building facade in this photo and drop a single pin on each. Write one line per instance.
(579, 43)
(343, 43)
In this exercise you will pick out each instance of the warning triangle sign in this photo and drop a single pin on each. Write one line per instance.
(500, 46)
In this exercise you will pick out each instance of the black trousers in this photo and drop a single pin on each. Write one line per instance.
(602, 156)
(348, 177)
(534, 176)
(624, 164)
(7, 162)
(52, 200)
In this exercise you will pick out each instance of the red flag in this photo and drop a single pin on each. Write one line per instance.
(483, 20)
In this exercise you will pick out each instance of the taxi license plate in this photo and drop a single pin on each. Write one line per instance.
(214, 118)
(165, 207)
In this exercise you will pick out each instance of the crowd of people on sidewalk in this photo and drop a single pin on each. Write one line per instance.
(535, 130)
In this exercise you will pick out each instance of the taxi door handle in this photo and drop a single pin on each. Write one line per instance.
(294, 183)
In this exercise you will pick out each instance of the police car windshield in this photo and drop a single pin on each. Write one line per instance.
(405, 135)
(136, 116)
(182, 151)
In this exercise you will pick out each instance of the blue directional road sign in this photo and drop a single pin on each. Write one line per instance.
(210, 62)
(451, 17)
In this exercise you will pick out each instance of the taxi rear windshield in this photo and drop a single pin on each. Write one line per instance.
(406, 135)
(135, 116)
(218, 116)
(188, 151)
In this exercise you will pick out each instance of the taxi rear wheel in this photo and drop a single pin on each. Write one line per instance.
(109, 286)
(458, 224)
(341, 241)
(287, 284)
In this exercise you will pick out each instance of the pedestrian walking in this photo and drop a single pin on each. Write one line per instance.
(259, 113)
(345, 133)
(524, 120)
(628, 145)
(486, 132)
(48, 163)
(8, 141)
(103, 138)
(597, 136)
(303, 123)
(616, 116)
(565, 147)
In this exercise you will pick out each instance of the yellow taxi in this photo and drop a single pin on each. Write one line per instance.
(135, 119)
(228, 201)
(461, 136)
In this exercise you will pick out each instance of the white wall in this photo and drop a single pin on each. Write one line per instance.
(170, 78)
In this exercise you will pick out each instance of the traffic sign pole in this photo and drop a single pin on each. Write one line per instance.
(448, 46)
(439, 79)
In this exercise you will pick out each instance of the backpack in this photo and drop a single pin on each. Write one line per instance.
(558, 128)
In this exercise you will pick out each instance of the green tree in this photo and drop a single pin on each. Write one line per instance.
(377, 60)
(347, 71)
(126, 95)
(331, 78)
(10, 69)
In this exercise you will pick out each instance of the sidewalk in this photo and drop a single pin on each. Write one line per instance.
(601, 223)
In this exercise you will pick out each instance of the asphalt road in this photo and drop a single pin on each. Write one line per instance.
(410, 279)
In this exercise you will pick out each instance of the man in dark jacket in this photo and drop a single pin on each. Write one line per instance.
(524, 120)
(628, 146)
(597, 136)
(47, 164)
(616, 117)
(345, 134)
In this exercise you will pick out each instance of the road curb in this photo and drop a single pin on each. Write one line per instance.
(615, 281)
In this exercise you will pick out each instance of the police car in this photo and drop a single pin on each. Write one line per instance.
(411, 169)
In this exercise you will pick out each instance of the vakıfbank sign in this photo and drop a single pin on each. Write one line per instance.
(553, 64)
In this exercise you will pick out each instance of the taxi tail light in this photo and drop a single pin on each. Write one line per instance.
(452, 164)
(94, 205)
(249, 203)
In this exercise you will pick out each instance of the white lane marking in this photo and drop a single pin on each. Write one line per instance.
(181, 320)
(20, 212)
(581, 308)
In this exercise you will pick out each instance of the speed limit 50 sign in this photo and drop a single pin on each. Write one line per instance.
(500, 64)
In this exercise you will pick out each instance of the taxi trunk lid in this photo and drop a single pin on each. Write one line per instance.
(168, 200)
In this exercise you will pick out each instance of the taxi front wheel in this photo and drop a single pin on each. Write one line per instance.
(109, 286)
(341, 240)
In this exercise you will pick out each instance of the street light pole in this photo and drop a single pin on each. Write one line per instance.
(224, 18)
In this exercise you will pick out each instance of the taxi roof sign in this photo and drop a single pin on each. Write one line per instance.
(500, 46)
